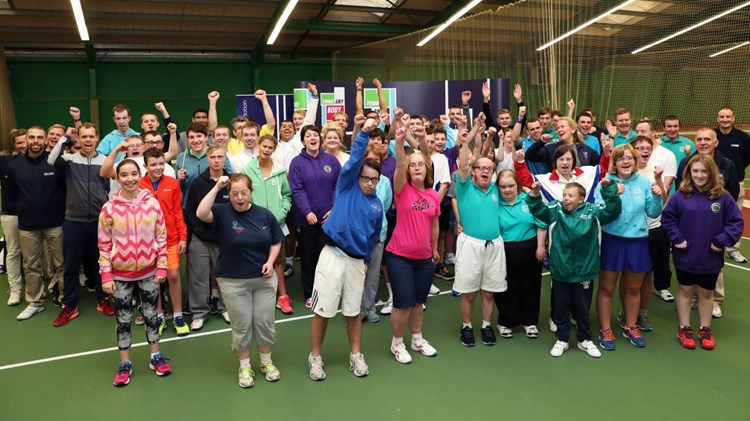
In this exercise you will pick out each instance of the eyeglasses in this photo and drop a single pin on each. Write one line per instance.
(483, 168)
(417, 165)
(625, 159)
(365, 179)
(644, 148)
(154, 142)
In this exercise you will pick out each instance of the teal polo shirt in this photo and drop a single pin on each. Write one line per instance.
(479, 210)
(677, 146)
(621, 140)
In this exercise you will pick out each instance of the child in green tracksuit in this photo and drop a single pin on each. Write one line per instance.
(574, 230)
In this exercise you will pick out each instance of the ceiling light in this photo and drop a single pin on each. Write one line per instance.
(729, 49)
(282, 20)
(690, 28)
(589, 23)
(448, 22)
(80, 22)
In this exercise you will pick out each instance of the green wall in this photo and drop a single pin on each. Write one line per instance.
(43, 89)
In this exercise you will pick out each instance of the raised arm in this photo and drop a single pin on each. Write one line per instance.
(108, 166)
(358, 99)
(571, 105)
(518, 127)
(399, 176)
(174, 147)
(463, 155)
(204, 212)
(381, 96)
(260, 94)
(75, 112)
(213, 118)
(312, 106)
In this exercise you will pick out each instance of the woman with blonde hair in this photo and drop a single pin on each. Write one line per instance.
(333, 141)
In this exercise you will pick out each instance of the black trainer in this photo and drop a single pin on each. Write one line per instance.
(467, 336)
(488, 336)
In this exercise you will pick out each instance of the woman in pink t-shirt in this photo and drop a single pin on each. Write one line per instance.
(412, 252)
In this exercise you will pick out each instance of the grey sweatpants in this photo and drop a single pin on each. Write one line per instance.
(251, 304)
(201, 258)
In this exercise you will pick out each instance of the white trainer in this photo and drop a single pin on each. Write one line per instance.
(358, 365)
(29, 311)
(558, 348)
(387, 308)
(15, 298)
(197, 324)
(424, 347)
(589, 348)
(316, 367)
(402, 355)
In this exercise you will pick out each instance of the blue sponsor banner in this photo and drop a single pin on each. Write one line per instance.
(431, 98)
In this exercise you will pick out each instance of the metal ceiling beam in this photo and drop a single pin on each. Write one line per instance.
(349, 27)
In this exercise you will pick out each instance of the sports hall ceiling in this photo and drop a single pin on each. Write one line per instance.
(316, 28)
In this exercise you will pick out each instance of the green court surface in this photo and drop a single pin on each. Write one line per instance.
(516, 379)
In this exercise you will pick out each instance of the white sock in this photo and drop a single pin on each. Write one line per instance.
(214, 292)
(177, 314)
(485, 324)
(416, 336)
(265, 358)
(396, 341)
(466, 325)
(160, 316)
(245, 363)
(153, 354)
(289, 260)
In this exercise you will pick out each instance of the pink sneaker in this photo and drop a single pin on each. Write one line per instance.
(160, 365)
(122, 377)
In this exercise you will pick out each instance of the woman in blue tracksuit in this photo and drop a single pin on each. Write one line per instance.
(625, 252)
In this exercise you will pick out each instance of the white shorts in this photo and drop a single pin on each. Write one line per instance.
(480, 264)
(338, 277)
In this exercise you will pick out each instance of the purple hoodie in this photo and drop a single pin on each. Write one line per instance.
(701, 222)
(313, 183)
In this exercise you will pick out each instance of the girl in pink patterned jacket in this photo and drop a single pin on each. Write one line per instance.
(133, 250)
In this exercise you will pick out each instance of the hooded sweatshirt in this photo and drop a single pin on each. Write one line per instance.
(701, 222)
(272, 192)
(313, 182)
(132, 238)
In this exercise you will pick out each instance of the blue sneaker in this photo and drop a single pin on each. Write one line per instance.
(455, 293)
(607, 339)
(633, 334)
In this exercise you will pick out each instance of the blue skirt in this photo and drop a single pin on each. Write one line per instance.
(619, 253)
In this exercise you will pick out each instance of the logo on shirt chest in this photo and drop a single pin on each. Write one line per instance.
(715, 207)
(420, 204)
(236, 227)
(327, 168)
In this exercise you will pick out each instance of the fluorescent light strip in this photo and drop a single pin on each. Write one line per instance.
(729, 49)
(282, 20)
(80, 21)
(448, 22)
(690, 28)
(588, 23)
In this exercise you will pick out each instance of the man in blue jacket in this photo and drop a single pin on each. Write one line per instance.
(349, 233)
(40, 190)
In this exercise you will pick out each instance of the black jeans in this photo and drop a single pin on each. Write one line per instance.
(658, 246)
(310, 246)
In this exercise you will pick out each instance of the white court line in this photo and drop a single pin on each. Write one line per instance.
(140, 344)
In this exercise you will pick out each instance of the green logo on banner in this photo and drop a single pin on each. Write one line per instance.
(328, 98)
(300, 99)
(372, 101)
